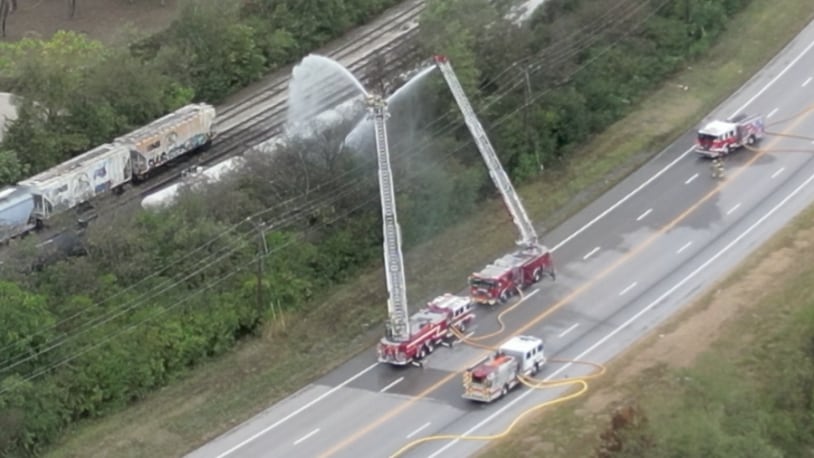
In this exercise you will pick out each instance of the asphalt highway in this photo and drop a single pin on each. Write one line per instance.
(625, 263)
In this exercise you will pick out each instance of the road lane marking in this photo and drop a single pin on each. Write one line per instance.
(643, 215)
(808, 80)
(395, 382)
(632, 319)
(296, 412)
(305, 437)
(773, 80)
(779, 171)
(733, 209)
(622, 200)
(690, 179)
(554, 307)
(590, 253)
(573, 293)
(686, 245)
(564, 333)
(627, 290)
(418, 430)
(771, 113)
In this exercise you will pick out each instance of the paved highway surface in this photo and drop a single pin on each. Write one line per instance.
(626, 262)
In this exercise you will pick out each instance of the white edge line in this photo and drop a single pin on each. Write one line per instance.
(418, 430)
(773, 80)
(571, 328)
(733, 208)
(637, 315)
(303, 438)
(391, 385)
(684, 247)
(643, 215)
(778, 172)
(622, 200)
(690, 179)
(296, 412)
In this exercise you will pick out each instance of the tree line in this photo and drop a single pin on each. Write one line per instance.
(75, 93)
(160, 293)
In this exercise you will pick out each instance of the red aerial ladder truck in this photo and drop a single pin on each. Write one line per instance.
(507, 275)
(408, 339)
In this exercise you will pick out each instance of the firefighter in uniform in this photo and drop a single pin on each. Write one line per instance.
(718, 168)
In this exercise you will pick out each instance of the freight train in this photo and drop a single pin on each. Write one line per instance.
(106, 168)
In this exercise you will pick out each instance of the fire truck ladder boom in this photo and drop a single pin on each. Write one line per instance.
(398, 321)
(528, 236)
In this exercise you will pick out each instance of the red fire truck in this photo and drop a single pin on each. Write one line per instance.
(492, 378)
(429, 328)
(718, 138)
(502, 279)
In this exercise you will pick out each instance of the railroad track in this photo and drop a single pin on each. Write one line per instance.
(383, 51)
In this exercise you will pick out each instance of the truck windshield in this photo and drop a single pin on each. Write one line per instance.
(706, 140)
(481, 283)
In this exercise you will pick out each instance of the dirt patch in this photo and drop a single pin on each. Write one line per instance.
(105, 20)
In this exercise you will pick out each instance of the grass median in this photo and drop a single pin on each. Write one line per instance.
(227, 391)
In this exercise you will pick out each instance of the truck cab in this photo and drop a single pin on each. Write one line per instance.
(718, 138)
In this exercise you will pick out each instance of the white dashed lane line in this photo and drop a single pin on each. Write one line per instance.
(778, 172)
(808, 80)
(733, 209)
(571, 328)
(418, 430)
(395, 382)
(631, 286)
(690, 179)
(590, 253)
(771, 113)
(305, 437)
(643, 215)
(684, 247)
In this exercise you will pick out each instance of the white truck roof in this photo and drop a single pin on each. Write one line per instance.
(521, 344)
(716, 128)
(450, 301)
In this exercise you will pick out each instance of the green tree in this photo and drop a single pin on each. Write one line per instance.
(218, 51)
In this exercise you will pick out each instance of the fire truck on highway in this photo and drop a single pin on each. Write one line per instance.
(408, 339)
(719, 138)
(532, 261)
(492, 378)
(429, 328)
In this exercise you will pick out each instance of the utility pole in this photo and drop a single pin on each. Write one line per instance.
(530, 142)
(260, 261)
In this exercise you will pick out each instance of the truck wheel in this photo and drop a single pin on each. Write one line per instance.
(430, 347)
(504, 296)
(422, 353)
(751, 140)
(462, 327)
(504, 391)
(538, 275)
(536, 369)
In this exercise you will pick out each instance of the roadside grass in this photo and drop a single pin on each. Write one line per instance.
(297, 348)
(761, 322)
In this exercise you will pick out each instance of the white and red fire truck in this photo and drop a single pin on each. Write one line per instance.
(719, 138)
(492, 378)
(429, 328)
(504, 278)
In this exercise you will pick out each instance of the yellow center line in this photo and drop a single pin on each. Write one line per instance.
(569, 297)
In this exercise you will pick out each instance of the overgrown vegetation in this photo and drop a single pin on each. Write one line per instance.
(162, 293)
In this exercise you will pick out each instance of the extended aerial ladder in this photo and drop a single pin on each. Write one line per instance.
(528, 236)
(398, 325)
